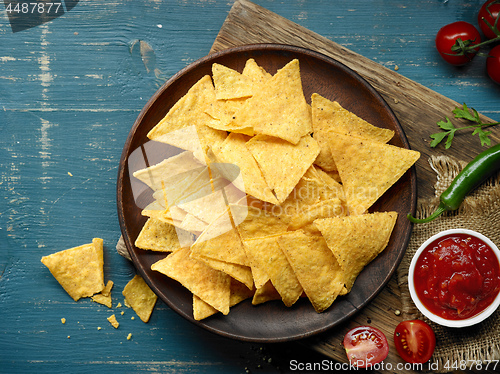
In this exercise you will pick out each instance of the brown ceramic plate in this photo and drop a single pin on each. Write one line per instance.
(272, 321)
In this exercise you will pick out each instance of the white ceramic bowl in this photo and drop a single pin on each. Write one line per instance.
(433, 317)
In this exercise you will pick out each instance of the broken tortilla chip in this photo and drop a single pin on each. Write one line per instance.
(104, 297)
(78, 270)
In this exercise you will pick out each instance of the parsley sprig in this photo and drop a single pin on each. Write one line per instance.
(450, 129)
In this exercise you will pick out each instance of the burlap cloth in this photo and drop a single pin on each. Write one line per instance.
(480, 212)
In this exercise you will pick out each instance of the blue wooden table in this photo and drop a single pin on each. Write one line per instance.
(70, 90)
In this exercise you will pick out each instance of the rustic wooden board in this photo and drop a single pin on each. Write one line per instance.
(418, 109)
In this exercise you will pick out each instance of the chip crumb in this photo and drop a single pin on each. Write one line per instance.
(129, 336)
(397, 312)
(132, 318)
(122, 312)
(63, 320)
(396, 67)
(69, 173)
(99, 327)
(396, 101)
(113, 321)
(119, 305)
(69, 336)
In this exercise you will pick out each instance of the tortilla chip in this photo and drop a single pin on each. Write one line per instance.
(315, 267)
(257, 73)
(368, 169)
(283, 163)
(224, 112)
(190, 111)
(254, 222)
(140, 297)
(229, 84)
(101, 299)
(279, 108)
(259, 273)
(78, 270)
(268, 254)
(238, 272)
(158, 236)
(212, 286)
(239, 292)
(266, 293)
(322, 209)
(234, 151)
(310, 190)
(330, 116)
(104, 297)
(220, 241)
(206, 208)
(112, 319)
(171, 170)
(357, 240)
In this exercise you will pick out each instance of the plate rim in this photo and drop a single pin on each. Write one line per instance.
(275, 47)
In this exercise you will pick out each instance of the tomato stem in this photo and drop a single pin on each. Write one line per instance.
(464, 48)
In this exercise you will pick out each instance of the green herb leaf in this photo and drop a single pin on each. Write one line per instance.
(446, 125)
(464, 113)
(437, 138)
(483, 136)
(451, 135)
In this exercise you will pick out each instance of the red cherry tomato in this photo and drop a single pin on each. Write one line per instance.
(365, 346)
(493, 64)
(488, 13)
(415, 341)
(447, 37)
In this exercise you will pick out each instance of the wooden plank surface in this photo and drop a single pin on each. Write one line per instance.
(418, 108)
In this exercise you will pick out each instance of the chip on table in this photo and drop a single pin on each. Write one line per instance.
(140, 297)
(79, 270)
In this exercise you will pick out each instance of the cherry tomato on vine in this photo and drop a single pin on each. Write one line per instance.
(493, 64)
(455, 42)
(415, 341)
(488, 14)
(365, 346)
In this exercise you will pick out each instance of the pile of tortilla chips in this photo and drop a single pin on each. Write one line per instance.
(268, 198)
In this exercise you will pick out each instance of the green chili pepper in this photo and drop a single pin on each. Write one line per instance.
(474, 174)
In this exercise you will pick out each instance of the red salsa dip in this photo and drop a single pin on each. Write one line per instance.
(457, 276)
